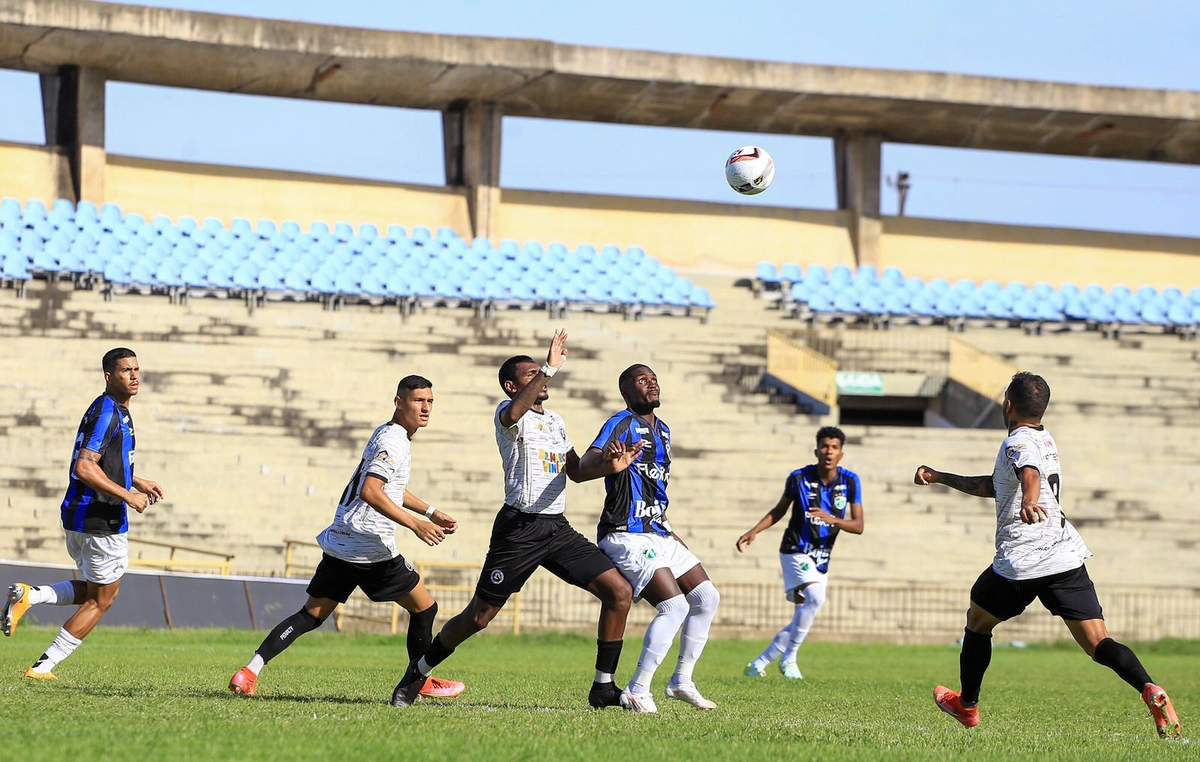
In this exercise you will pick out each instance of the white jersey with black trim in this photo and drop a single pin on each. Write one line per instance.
(1029, 551)
(359, 533)
(534, 452)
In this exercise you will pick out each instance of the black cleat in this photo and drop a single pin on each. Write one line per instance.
(409, 687)
(604, 694)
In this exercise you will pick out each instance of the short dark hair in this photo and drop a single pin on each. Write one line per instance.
(508, 371)
(1029, 394)
(109, 363)
(628, 374)
(409, 383)
(831, 432)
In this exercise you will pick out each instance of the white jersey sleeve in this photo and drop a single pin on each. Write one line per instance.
(1029, 551)
(359, 533)
(534, 453)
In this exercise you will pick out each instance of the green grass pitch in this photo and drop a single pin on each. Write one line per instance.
(147, 695)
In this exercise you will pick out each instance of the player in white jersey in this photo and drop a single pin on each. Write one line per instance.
(1039, 554)
(360, 545)
(531, 529)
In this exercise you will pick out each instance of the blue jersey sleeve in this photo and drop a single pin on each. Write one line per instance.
(856, 495)
(97, 428)
(789, 488)
(615, 428)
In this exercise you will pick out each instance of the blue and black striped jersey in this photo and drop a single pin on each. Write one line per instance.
(812, 536)
(636, 499)
(106, 428)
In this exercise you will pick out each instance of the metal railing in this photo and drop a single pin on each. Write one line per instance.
(452, 583)
(801, 367)
(174, 563)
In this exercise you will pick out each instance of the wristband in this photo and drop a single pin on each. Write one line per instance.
(549, 370)
(430, 511)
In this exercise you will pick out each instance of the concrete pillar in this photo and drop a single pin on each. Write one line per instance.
(857, 163)
(73, 112)
(471, 137)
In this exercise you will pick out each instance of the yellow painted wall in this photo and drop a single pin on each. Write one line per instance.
(947, 249)
(689, 234)
(175, 189)
(29, 172)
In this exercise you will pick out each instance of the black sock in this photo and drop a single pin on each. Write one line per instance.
(286, 632)
(972, 663)
(438, 652)
(420, 631)
(608, 654)
(1122, 660)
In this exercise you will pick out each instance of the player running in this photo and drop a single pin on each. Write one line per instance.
(1039, 554)
(360, 545)
(819, 496)
(94, 516)
(531, 529)
(636, 535)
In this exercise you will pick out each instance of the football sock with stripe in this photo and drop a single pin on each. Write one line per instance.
(972, 663)
(703, 601)
(608, 654)
(63, 645)
(284, 634)
(1122, 660)
(58, 594)
(437, 653)
(657, 642)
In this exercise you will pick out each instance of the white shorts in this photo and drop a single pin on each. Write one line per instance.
(638, 556)
(799, 570)
(101, 558)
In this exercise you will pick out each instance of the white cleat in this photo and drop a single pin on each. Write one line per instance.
(691, 694)
(641, 703)
(790, 670)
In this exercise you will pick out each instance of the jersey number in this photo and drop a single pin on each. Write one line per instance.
(352, 488)
(1055, 486)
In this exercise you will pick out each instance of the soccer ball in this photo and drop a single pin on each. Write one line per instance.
(749, 170)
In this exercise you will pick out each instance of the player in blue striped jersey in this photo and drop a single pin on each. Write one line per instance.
(635, 534)
(825, 499)
(94, 518)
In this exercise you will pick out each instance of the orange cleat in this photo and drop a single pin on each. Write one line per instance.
(436, 687)
(16, 603)
(31, 675)
(950, 702)
(1163, 711)
(244, 682)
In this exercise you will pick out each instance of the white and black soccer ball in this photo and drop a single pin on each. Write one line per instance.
(749, 170)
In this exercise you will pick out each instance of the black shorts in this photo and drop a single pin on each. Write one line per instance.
(1070, 594)
(521, 542)
(381, 582)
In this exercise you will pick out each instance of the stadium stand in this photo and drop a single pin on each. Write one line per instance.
(821, 295)
(269, 262)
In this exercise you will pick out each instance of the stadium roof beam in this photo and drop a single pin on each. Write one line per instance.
(535, 78)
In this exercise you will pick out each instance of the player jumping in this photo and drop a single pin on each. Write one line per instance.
(94, 516)
(636, 535)
(1039, 554)
(819, 496)
(360, 545)
(532, 530)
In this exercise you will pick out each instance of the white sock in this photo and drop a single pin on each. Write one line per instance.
(814, 598)
(775, 649)
(423, 667)
(63, 645)
(604, 677)
(704, 599)
(657, 642)
(256, 664)
(58, 594)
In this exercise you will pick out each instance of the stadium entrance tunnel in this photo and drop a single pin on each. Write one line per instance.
(907, 399)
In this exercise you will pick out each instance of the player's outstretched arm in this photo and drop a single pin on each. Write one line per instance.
(528, 396)
(596, 463)
(771, 519)
(372, 492)
(441, 518)
(979, 486)
(88, 471)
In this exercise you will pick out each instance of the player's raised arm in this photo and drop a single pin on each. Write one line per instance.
(556, 355)
(771, 518)
(372, 493)
(979, 486)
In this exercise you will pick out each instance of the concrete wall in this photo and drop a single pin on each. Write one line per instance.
(33, 172)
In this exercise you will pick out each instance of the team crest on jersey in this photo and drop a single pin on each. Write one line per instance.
(650, 554)
(805, 566)
(839, 502)
(497, 576)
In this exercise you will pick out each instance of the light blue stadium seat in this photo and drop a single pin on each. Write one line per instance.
(10, 209)
(1025, 309)
(1194, 295)
(914, 285)
(117, 271)
(964, 287)
(1016, 290)
(765, 273)
(816, 274)
(1180, 313)
(1121, 293)
(892, 276)
(35, 210)
(1153, 314)
(509, 248)
(938, 286)
(1070, 291)
(1048, 312)
(948, 304)
(924, 304)
(535, 248)
(1076, 309)
(974, 305)
(368, 232)
(990, 288)
(481, 244)
(840, 275)
(1055, 300)
(445, 234)
(558, 250)
(1125, 312)
(245, 276)
(682, 287)
(396, 233)
(220, 275)
(999, 308)
(342, 231)
(872, 302)
(866, 275)
(1042, 290)
(1172, 294)
(700, 297)
(897, 302)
